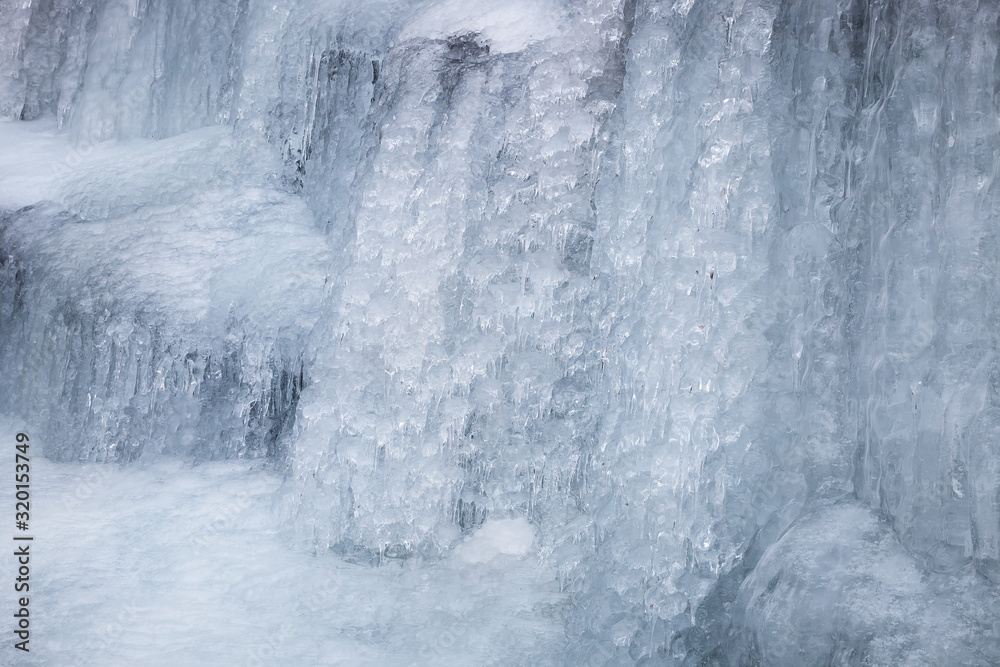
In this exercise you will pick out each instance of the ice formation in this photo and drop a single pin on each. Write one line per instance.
(692, 303)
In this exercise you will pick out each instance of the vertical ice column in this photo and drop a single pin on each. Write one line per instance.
(52, 59)
(322, 125)
(380, 479)
(121, 68)
(452, 359)
(157, 68)
(724, 311)
(521, 305)
(925, 206)
(16, 14)
(805, 294)
(686, 210)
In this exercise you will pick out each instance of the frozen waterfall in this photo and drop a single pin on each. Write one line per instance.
(589, 332)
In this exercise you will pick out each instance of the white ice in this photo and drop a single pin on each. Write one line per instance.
(689, 306)
(171, 564)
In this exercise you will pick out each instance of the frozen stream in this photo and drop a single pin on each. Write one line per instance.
(653, 332)
(168, 563)
(171, 564)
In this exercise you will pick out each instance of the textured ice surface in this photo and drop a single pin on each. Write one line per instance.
(169, 564)
(838, 588)
(162, 296)
(693, 300)
(926, 335)
(506, 28)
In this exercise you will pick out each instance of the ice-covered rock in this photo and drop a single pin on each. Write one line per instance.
(839, 588)
(154, 301)
(695, 292)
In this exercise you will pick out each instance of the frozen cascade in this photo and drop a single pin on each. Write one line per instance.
(166, 314)
(693, 296)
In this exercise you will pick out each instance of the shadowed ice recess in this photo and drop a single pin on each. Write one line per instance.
(539, 332)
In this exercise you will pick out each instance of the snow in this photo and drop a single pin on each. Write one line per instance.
(506, 28)
(497, 537)
(168, 564)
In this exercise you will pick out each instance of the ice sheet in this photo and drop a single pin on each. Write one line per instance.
(169, 564)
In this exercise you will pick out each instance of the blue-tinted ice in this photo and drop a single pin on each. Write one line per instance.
(686, 311)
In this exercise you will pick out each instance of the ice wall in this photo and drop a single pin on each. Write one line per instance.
(925, 221)
(680, 282)
(456, 362)
(724, 393)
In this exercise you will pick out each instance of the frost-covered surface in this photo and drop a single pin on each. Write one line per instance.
(838, 588)
(162, 297)
(689, 298)
(166, 564)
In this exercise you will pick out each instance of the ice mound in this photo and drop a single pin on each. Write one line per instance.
(508, 537)
(163, 297)
(839, 588)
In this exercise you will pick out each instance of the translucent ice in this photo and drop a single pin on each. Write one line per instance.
(691, 301)
(154, 300)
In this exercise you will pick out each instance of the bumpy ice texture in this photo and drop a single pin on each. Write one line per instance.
(702, 291)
